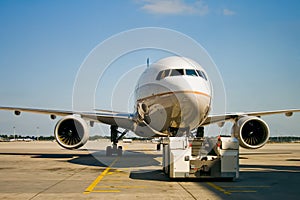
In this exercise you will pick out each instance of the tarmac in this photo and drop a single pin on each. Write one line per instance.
(44, 170)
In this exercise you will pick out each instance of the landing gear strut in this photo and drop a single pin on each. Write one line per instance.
(114, 138)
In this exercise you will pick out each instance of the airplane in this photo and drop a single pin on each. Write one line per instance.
(173, 97)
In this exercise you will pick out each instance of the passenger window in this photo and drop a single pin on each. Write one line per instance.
(190, 72)
(177, 72)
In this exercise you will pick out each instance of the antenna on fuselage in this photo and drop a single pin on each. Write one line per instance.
(147, 62)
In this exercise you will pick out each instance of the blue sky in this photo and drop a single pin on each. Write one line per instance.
(255, 45)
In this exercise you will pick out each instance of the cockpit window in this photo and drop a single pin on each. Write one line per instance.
(177, 72)
(180, 72)
(159, 75)
(191, 72)
(167, 73)
(202, 74)
(163, 74)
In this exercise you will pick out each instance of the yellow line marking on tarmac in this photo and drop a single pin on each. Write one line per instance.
(218, 188)
(122, 186)
(90, 188)
(228, 192)
(105, 191)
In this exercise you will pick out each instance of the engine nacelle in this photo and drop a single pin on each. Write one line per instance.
(252, 132)
(71, 132)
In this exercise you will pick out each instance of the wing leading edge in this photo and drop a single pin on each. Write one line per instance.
(103, 116)
(126, 120)
(234, 116)
(120, 119)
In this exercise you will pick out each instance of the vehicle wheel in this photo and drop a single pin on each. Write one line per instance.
(120, 147)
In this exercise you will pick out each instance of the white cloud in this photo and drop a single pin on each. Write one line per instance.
(228, 12)
(174, 7)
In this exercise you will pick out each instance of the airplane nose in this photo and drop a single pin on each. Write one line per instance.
(193, 106)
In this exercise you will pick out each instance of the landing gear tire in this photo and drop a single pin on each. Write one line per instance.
(158, 147)
(114, 151)
(108, 151)
(119, 151)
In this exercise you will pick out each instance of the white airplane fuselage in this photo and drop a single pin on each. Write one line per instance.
(177, 93)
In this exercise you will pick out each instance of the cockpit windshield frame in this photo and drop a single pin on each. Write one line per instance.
(180, 72)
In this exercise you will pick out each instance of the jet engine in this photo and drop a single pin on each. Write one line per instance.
(71, 132)
(252, 132)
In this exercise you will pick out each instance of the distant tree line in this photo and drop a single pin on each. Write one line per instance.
(9, 137)
(271, 139)
(284, 139)
(44, 138)
(97, 137)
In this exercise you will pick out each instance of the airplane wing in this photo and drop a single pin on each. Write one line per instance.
(127, 121)
(233, 116)
(110, 117)
(123, 120)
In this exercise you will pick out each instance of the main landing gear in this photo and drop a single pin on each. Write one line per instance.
(114, 138)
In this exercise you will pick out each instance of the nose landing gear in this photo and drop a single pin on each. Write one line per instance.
(114, 138)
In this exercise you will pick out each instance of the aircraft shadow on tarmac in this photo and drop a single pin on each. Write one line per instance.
(98, 158)
(159, 175)
(247, 174)
(271, 168)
